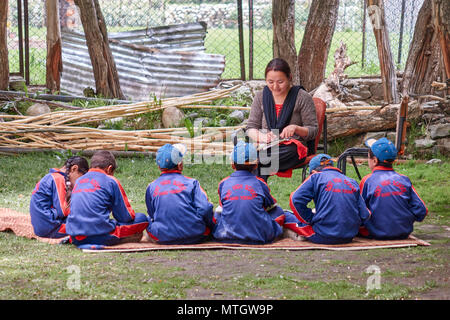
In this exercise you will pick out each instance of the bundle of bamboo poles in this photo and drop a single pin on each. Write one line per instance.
(61, 130)
(77, 117)
(213, 140)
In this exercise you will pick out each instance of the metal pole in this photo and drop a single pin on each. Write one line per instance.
(400, 40)
(20, 31)
(363, 53)
(241, 39)
(250, 36)
(27, 42)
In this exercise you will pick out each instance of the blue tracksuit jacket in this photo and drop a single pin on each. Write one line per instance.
(178, 209)
(247, 210)
(94, 196)
(48, 207)
(394, 204)
(340, 209)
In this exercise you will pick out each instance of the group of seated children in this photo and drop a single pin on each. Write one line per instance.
(76, 202)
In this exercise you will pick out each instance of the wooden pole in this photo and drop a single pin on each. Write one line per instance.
(388, 74)
(54, 59)
(241, 39)
(4, 62)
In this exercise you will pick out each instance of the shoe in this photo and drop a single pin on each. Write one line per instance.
(288, 233)
(65, 240)
(137, 237)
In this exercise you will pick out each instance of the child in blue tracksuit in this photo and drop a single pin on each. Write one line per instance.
(49, 205)
(94, 196)
(248, 213)
(340, 209)
(178, 208)
(390, 196)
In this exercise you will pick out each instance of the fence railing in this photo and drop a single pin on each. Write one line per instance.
(246, 56)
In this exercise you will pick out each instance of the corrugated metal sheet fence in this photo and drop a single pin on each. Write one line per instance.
(166, 62)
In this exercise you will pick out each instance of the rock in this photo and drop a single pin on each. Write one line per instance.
(17, 83)
(374, 135)
(441, 130)
(433, 161)
(172, 117)
(222, 122)
(377, 91)
(443, 146)
(431, 107)
(238, 115)
(203, 122)
(392, 136)
(37, 109)
(358, 94)
(192, 115)
(424, 143)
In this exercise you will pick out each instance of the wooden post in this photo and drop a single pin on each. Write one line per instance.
(4, 62)
(54, 60)
(441, 20)
(241, 39)
(105, 72)
(388, 74)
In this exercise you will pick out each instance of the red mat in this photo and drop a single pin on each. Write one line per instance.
(20, 224)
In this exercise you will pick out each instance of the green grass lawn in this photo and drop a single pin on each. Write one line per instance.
(33, 270)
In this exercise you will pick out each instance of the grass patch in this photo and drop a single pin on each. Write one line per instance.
(33, 270)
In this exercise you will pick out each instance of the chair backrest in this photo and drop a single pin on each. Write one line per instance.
(321, 106)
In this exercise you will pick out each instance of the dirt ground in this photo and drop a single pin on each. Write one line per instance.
(409, 267)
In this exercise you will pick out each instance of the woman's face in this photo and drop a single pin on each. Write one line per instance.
(278, 82)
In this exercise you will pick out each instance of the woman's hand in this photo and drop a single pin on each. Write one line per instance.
(268, 137)
(292, 130)
(288, 131)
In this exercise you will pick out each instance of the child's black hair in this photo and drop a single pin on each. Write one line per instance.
(386, 164)
(245, 167)
(83, 167)
(103, 159)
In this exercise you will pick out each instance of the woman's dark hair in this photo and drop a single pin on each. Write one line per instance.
(385, 164)
(278, 64)
(83, 167)
(103, 159)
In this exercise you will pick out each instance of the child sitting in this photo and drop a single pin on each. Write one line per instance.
(94, 196)
(248, 213)
(49, 205)
(340, 209)
(178, 208)
(390, 196)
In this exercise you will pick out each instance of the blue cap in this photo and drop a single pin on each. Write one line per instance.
(244, 153)
(169, 156)
(319, 160)
(383, 149)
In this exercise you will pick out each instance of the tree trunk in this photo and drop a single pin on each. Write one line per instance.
(350, 123)
(103, 65)
(441, 19)
(313, 54)
(388, 74)
(283, 20)
(423, 63)
(4, 62)
(54, 60)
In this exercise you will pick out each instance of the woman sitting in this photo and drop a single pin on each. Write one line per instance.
(282, 112)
